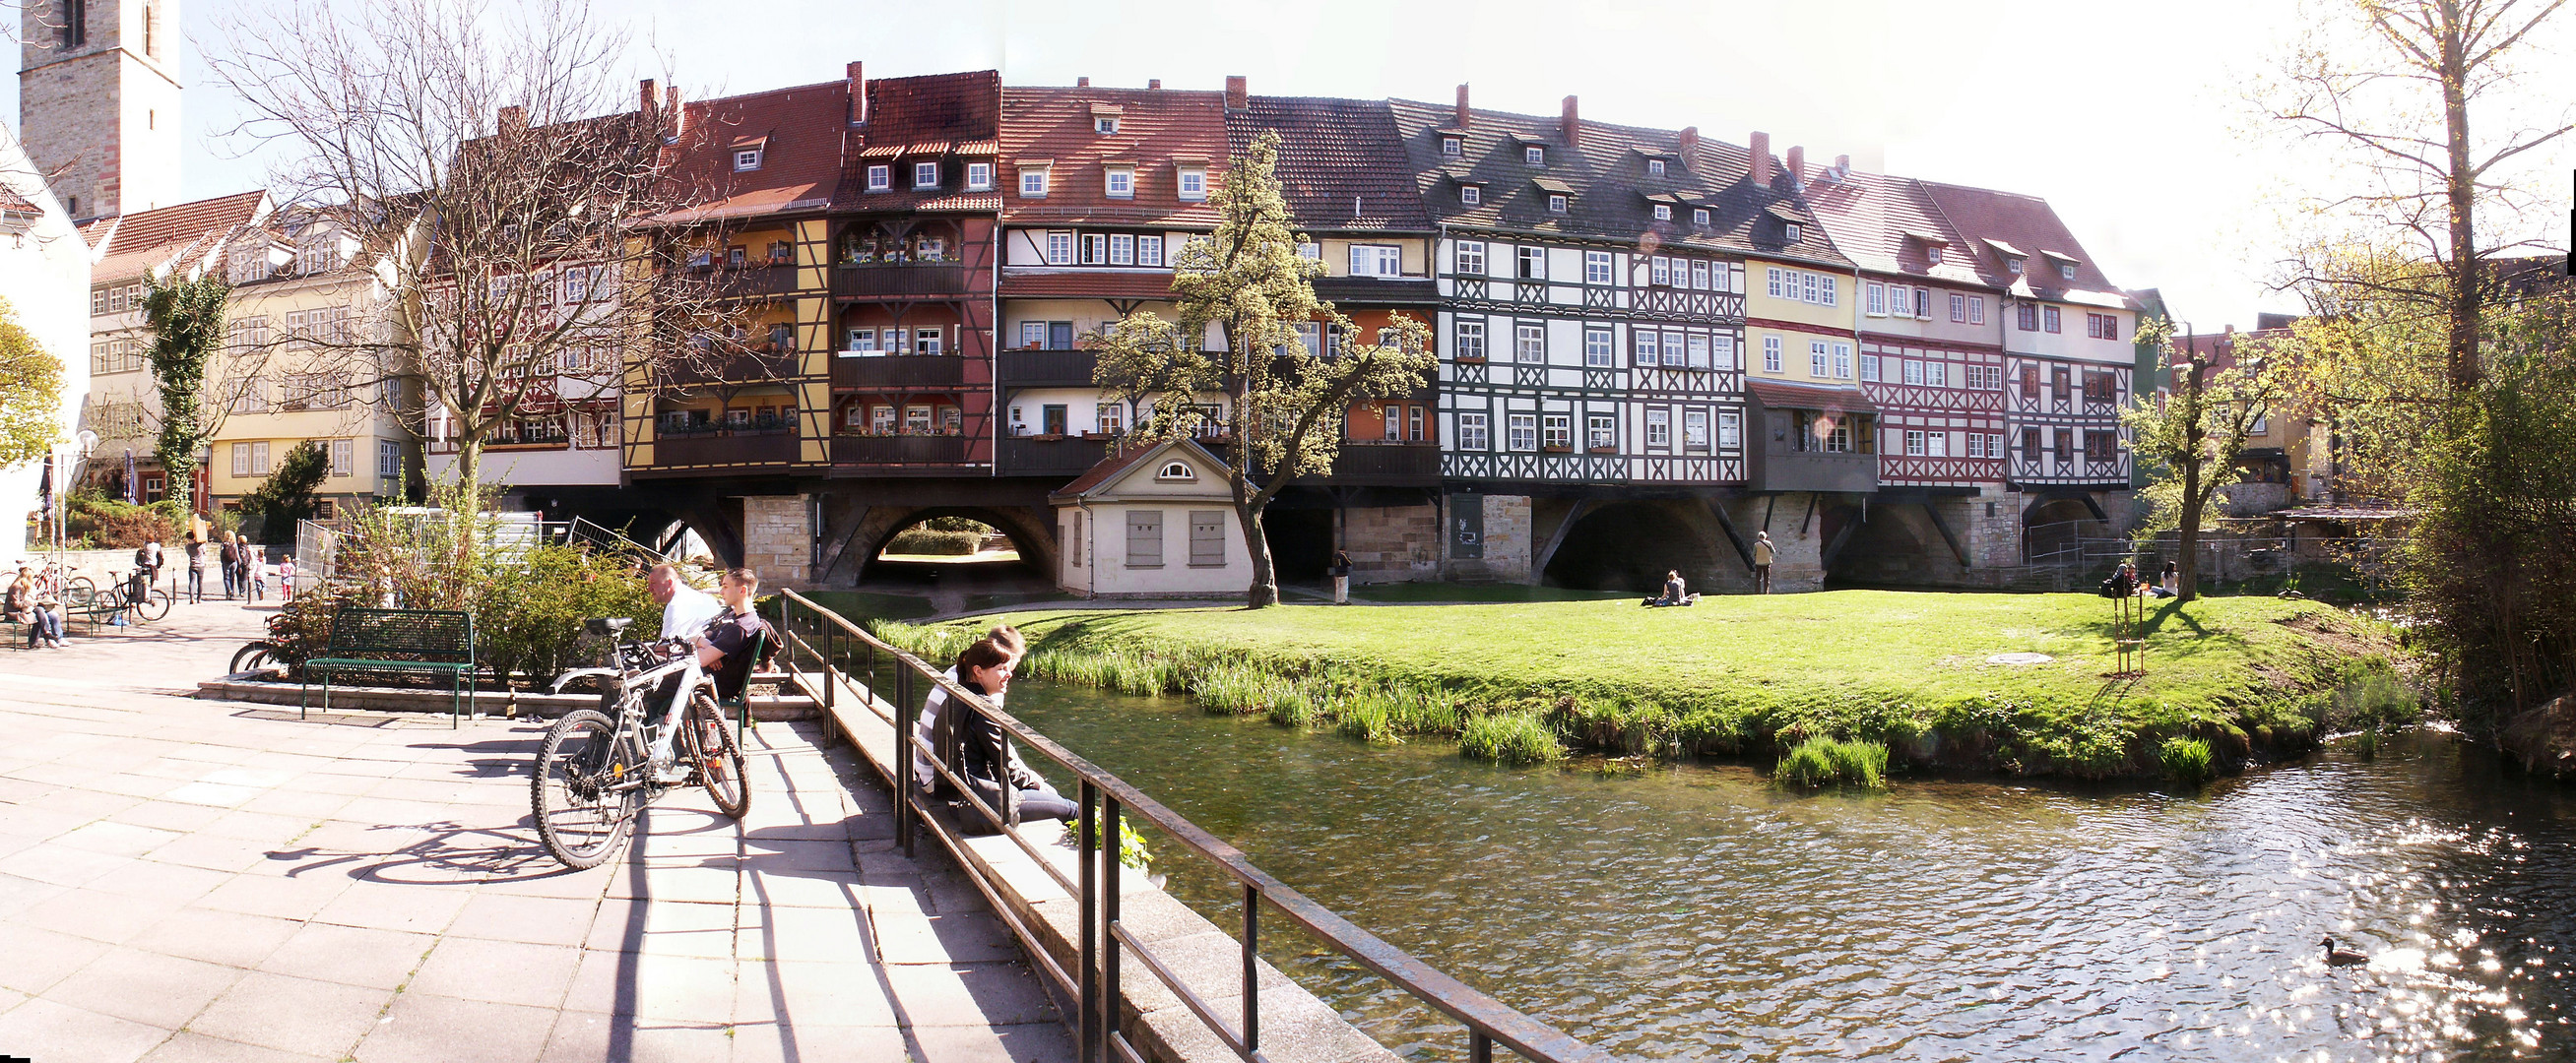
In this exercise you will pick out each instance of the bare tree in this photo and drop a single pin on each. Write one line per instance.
(2392, 83)
(495, 158)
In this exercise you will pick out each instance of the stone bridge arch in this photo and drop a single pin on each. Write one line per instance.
(1030, 528)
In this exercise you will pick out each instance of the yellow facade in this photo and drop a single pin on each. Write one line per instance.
(1790, 309)
(294, 386)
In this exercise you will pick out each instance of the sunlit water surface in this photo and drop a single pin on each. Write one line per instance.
(1696, 912)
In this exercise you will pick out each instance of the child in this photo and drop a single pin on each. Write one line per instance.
(259, 583)
(286, 579)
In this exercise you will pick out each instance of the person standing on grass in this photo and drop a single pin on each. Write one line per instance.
(196, 569)
(1341, 573)
(1763, 555)
(1011, 642)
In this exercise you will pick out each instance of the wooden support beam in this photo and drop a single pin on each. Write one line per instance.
(1956, 550)
(1743, 550)
(1538, 564)
(1769, 504)
(1810, 518)
(1835, 548)
(858, 519)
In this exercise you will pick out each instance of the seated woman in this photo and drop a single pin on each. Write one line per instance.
(984, 749)
(44, 626)
(1673, 591)
(923, 774)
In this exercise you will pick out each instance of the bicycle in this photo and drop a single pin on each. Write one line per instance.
(143, 603)
(259, 654)
(593, 771)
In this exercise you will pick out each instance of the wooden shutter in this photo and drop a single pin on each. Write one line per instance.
(1207, 538)
(1144, 538)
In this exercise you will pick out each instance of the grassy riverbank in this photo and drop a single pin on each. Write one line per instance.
(1749, 675)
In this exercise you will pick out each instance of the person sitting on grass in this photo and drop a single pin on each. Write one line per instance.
(985, 750)
(1674, 594)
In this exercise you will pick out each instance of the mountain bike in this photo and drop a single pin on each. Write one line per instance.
(138, 601)
(594, 772)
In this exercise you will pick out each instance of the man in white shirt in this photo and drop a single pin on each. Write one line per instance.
(685, 609)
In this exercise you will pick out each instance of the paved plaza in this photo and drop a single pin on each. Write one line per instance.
(186, 880)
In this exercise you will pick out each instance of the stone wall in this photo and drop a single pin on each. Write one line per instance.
(778, 539)
(1506, 542)
(1392, 544)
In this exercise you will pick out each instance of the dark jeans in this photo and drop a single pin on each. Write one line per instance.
(196, 585)
(227, 571)
(1036, 802)
(43, 625)
(1761, 579)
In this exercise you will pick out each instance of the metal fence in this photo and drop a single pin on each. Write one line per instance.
(818, 639)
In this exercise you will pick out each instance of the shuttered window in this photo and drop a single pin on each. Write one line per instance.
(1207, 538)
(1144, 538)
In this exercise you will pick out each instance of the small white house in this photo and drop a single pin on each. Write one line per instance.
(1151, 523)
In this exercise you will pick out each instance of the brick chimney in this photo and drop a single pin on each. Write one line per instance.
(1760, 145)
(1571, 124)
(514, 119)
(679, 114)
(1238, 93)
(857, 73)
(1082, 83)
(1798, 167)
(1462, 105)
(1153, 83)
(650, 99)
(1842, 165)
(1690, 143)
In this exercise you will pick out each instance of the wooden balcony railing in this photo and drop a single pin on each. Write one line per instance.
(898, 450)
(1072, 456)
(898, 278)
(898, 371)
(1046, 368)
(732, 448)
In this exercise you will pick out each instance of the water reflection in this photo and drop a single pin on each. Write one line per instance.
(1695, 912)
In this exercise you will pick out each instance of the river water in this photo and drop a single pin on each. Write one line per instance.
(1696, 912)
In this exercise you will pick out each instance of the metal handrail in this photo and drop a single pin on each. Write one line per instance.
(1104, 799)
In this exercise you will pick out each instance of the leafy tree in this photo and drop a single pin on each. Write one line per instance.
(287, 495)
(187, 322)
(31, 395)
(2193, 439)
(1246, 286)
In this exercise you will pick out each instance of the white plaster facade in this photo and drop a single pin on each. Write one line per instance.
(1157, 523)
(44, 273)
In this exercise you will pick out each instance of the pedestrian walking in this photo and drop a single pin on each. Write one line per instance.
(196, 569)
(249, 558)
(1763, 555)
(229, 556)
(1341, 573)
(153, 551)
(258, 582)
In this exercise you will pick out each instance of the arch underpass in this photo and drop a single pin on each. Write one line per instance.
(1629, 545)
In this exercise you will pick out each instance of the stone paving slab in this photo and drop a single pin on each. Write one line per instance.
(184, 880)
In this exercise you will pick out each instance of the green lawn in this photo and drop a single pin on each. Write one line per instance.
(1745, 674)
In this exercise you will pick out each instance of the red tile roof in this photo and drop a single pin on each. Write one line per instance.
(1109, 467)
(1986, 217)
(1341, 162)
(798, 131)
(1158, 129)
(1879, 221)
(10, 200)
(180, 234)
(952, 119)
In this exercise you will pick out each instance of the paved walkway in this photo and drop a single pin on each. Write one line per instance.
(199, 881)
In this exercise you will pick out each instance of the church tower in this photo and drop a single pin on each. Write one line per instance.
(98, 101)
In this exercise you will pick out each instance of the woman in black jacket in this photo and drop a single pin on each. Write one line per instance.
(984, 749)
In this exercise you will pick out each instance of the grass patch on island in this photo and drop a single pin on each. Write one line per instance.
(1744, 675)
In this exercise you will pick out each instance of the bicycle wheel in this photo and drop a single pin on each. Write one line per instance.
(254, 657)
(80, 591)
(154, 605)
(581, 810)
(718, 759)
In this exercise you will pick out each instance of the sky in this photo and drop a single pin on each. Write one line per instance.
(2129, 118)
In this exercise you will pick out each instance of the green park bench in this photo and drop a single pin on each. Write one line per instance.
(398, 640)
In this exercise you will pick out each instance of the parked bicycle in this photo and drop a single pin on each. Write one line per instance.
(132, 597)
(594, 770)
(271, 652)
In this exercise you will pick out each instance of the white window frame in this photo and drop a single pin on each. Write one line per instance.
(259, 458)
(1913, 372)
(1469, 338)
(1659, 428)
(1520, 431)
(1149, 249)
(880, 177)
(1699, 274)
(389, 458)
(1598, 268)
(1033, 182)
(1475, 431)
(1529, 343)
(1663, 212)
(1601, 430)
(1659, 270)
(1771, 354)
(1452, 147)
(1531, 263)
(1104, 124)
(1655, 168)
(1192, 184)
(1695, 431)
(1938, 445)
(1557, 430)
(1122, 249)
(1842, 361)
(1876, 294)
(1119, 182)
(1869, 367)
(1600, 347)
(241, 459)
(1059, 247)
(1557, 203)
(1730, 430)
(1534, 155)
(746, 159)
(1645, 345)
(922, 169)
(979, 177)
(1976, 309)
(1699, 217)
(1471, 195)
(1819, 359)
(1468, 258)
(1913, 442)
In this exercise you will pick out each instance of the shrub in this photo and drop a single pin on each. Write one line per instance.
(1509, 738)
(1819, 762)
(109, 524)
(958, 524)
(529, 622)
(931, 541)
(2187, 760)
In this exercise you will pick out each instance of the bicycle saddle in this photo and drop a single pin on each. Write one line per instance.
(607, 627)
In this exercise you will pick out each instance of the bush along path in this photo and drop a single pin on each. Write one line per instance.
(1756, 677)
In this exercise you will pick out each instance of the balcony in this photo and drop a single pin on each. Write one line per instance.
(898, 278)
(750, 281)
(765, 363)
(1377, 291)
(1792, 470)
(898, 371)
(1387, 463)
(898, 450)
(1072, 456)
(724, 448)
(1045, 368)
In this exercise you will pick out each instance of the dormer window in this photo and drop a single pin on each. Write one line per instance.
(746, 159)
(2066, 270)
(1104, 124)
(1193, 184)
(1663, 212)
(1795, 232)
(1557, 204)
(1654, 167)
(1177, 470)
(925, 175)
(1534, 155)
(880, 178)
(1122, 183)
(1699, 217)
(979, 177)
(1932, 255)
(1471, 195)
(1451, 147)
(1033, 182)
(2012, 263)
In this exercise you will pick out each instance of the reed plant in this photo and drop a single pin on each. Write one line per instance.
(2186, 760)
(1821, 762)
(1509, 738)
